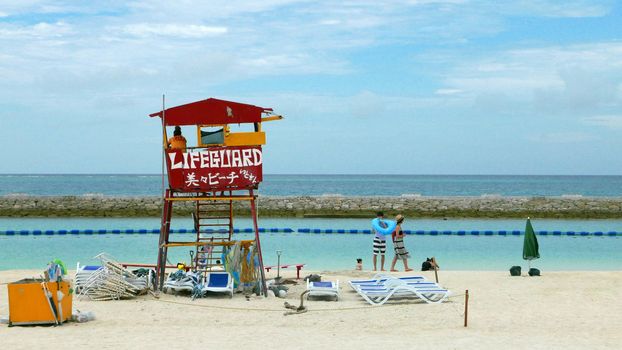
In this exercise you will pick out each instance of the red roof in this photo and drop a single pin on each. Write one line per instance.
(212, 111)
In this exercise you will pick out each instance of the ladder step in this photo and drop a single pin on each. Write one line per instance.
(214, 212)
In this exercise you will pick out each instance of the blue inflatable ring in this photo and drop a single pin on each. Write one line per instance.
(390, 226)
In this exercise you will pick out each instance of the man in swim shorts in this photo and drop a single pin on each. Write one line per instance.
(380, 243)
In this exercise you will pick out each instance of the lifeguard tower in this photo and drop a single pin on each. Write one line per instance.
(224, 166)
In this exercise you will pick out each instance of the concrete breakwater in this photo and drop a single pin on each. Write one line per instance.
(325, 206)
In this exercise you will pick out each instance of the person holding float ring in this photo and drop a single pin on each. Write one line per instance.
(380, 228)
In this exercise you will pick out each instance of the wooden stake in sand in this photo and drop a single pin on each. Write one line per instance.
(466, 307)
(435, 268)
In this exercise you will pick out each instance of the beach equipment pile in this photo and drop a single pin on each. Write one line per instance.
(111, 281)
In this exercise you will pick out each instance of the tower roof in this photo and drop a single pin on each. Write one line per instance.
(212, 111)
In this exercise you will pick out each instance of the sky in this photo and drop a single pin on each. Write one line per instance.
(365, 87)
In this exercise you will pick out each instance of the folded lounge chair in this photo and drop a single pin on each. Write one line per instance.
(181, 282)
(383, 279)
(380, 295)
(325, 288)
(218, 281)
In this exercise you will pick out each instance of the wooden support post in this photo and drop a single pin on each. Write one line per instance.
(264, 287)
(165, 226)
(466, 307)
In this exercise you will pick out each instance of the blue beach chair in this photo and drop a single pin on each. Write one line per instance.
(324, 288)
(218, 281)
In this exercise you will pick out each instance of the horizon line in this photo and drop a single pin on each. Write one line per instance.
(302, 174)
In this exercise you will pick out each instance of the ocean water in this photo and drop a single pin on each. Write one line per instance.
(324, 251)
(347, 185)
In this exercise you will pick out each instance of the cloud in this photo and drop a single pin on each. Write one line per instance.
(561, 137)
(607, 121)
(567, 80)
(40, 30)
(569, 9)
(173, 30)
(448, 91)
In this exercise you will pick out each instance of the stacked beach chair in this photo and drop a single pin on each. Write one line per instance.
(110, 281)
(381, 288)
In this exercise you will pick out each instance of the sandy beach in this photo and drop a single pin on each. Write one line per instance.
(559, 310)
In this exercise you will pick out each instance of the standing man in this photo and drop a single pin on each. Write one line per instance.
(380, 242)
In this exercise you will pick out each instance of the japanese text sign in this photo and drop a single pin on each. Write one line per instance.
(214, 168)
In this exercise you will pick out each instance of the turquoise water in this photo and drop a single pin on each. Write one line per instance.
(324, 251)
(347, 185)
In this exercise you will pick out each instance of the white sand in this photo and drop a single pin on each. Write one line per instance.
(559, 310)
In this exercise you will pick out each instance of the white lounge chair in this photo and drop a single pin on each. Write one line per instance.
(380, 295)
(218, 281)
(383, 279)
(324, 288)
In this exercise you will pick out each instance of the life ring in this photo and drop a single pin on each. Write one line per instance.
(390, 226)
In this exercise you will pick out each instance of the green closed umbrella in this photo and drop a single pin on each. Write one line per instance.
(530, 244)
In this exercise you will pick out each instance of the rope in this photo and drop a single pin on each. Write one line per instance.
(368, 307)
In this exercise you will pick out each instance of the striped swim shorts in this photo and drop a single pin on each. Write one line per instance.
(380, 246)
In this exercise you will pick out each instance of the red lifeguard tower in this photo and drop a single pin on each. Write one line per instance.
(223, 167)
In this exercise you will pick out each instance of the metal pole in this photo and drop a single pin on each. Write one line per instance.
(164, 144)
(278, 265)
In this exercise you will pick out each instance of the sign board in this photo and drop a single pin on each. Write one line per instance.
(215, 168)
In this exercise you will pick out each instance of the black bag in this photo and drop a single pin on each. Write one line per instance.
(427, 265)
(313, 278)
(534, 272)
(515, 271)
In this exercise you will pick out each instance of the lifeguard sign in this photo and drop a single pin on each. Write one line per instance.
(214, 169)
(222, 160)
(223, 167)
